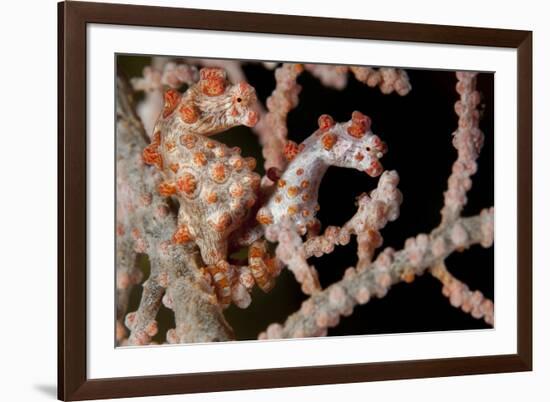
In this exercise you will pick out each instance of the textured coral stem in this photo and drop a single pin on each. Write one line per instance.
(468, 140)
(152, 227)
(198, 317)
(386, 78)
(142, 322)
(283, 99)
(460, 296)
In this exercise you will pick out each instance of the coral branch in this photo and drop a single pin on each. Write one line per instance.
(188, 201)
(146, 215)
(386, 78)
(172, 75)
(323, 309)
(197, 311)
(142, 323)
(374, 212)
(460, 296)
(291, 252)
(283, 99)
(128, 275)
(330, 75)
(468, 140)
(154, 81)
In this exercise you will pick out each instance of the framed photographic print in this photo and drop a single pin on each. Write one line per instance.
(252, 200)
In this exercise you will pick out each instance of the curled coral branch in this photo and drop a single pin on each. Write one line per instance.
(373, 213)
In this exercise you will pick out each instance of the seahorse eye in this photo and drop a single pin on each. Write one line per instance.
(239, 100)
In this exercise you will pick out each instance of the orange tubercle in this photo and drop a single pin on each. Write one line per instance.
(212, 198)
(325, 122)
(408, 276)
(290, 150)
(218, 172)
(264, 217)
(375, 169)
(212, 81)
(166, 189)
(182, 235)
(360, 124)
(174, 167)
(200, 159)
(292, 210)
(150, 154)
(236, 190)
(188, 140)
(251, 162)
(293, 191)
(223, 222)
(170, 146)
(187, 184)
(328, 141)
(237, 164)
(188, 114)
(171, 100)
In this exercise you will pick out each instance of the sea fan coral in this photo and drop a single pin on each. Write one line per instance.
(213, 227)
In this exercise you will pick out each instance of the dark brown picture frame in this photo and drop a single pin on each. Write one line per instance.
(73, 17)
